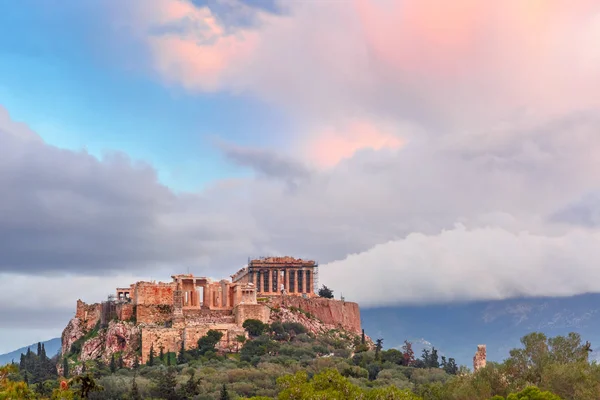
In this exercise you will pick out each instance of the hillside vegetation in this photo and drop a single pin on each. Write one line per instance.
(285, 361)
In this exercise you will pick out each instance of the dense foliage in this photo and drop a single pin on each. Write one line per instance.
(284, 361)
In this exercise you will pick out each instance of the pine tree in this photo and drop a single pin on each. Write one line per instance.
(65, 367)
(83, 368)
(161, 355)
(39, 349)
(191, 387)
(378, 347)
(181, 355)
(136, 362)
(166, 385)
(151, 356)
(362, 337)
(135, 393)
(433, 359)
(120, 363)
(44, 356)
(224, 394)
(113, 364)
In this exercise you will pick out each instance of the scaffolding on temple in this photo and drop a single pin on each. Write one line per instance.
(109, 311)
(316, 278)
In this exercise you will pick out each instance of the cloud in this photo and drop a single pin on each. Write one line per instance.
(464, 65)
(70, 212)
(440, 151)
(470, 264)
(266, 163)
(584, 212)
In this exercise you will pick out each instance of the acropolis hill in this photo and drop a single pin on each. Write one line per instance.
(168, 315)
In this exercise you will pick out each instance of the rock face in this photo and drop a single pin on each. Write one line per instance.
(479, 359)
(332, 313)
(120, 338)
(162, 328)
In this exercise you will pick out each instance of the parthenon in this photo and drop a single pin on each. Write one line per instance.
(279, 275)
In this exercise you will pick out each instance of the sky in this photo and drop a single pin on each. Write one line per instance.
(422, 152)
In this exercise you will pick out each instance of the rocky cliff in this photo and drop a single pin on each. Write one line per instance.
(85, 340)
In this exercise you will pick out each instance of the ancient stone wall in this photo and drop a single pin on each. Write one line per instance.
(88, 314)
(168, 338)
(125, 311)
(193, 333)
(153, 314)
(153, 293)
(243, 312)
(479, 360)
(203, 316)
(336, 313)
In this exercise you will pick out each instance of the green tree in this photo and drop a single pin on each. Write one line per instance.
(151, 356)
(326, 292)
(113, 363)
(84, 385)
(181, 354)
(191, 387)
(224, 394)
(161, 354)
(240, 340)
(65, 367)
(166, 383)
(134, 393)
(433, 359)
(209, 341)
(378, 347)
(532, 393)
(393, 356)
(254, 327)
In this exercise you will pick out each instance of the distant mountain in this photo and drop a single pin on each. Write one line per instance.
(51, 346)
(456, 329)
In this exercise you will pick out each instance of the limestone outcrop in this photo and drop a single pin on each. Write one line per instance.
(334, 314)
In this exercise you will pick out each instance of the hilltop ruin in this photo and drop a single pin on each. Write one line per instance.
(172, 315)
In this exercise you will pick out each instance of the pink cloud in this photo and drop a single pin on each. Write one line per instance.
(331, 146)
(468, 65)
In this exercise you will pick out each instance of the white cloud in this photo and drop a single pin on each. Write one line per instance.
(463, 264)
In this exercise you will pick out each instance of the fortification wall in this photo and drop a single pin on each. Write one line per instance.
(125, 311)
(203, 316)
(243, 312)
(157, 314)
(88, 314)
(170, 338)
(153, 293)
(343, 314)
(193, 333)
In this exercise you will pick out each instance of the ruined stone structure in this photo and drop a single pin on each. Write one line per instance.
(280, 275)
(479, 359)
(168, 315)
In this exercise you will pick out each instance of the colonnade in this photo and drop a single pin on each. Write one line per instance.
(274, 280)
